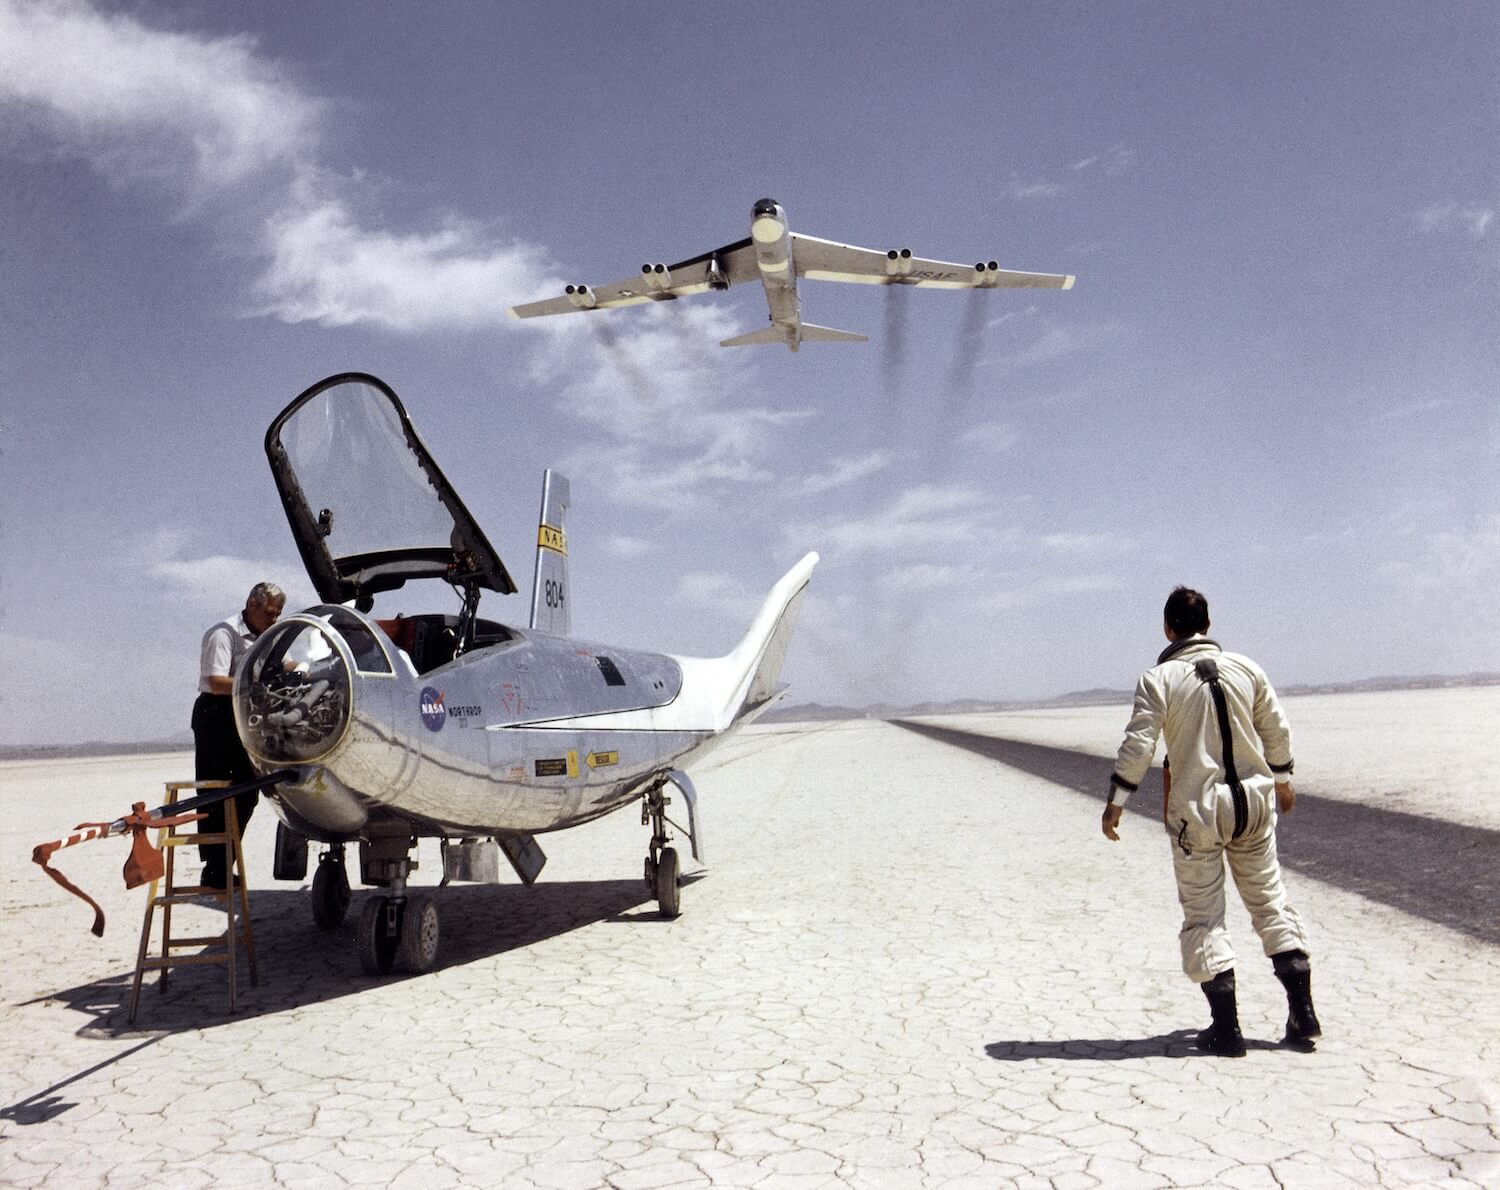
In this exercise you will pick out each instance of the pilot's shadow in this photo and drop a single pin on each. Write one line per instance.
(1178, 1044)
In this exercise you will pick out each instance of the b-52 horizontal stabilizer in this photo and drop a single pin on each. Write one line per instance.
(826, 334)
(770, 334)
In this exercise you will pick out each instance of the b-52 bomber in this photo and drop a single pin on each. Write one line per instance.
(454, 726)
(776, 256)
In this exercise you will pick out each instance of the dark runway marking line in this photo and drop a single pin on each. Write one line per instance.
(1442, 871)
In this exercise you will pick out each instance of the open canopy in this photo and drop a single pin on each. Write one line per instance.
(368, 506)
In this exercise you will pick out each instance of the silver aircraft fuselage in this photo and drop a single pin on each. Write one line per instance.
(529, 734)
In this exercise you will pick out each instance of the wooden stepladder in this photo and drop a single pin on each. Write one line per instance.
(223, 948)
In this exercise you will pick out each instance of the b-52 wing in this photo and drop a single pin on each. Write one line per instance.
(719, 269)
(825, 260)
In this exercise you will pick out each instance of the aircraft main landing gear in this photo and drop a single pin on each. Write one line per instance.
(330, 889)
(399, 929)
(392, 926)
(379, 934)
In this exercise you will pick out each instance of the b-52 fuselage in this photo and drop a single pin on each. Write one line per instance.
(450, 725)
(776, 256)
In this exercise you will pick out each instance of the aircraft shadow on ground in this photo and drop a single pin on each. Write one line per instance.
(299, 964)
(1428, 867)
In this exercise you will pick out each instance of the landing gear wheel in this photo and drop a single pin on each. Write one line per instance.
(668, 895)
(651, 876)
(330, 894)
(378, 941)
(420, 935)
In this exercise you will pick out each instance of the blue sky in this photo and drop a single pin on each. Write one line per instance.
(1275, 379)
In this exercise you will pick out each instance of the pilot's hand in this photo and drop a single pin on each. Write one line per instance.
(1111, 821)
(1286, 797)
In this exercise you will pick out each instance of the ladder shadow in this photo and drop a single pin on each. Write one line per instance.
(300, 964)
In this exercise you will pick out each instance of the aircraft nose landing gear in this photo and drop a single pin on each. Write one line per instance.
(663, 872)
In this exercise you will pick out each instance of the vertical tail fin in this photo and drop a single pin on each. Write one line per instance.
(549, 587)
(718, 692)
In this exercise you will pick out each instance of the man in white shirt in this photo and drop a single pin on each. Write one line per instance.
(1228, 773)
(219, 755)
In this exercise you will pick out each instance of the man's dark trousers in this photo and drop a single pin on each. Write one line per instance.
(219, 756)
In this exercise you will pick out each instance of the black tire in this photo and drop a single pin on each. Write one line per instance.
(377, 945)
(668, 894)
(330, 895)
(420, 934)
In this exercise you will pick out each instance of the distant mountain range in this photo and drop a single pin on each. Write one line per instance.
(813, 711)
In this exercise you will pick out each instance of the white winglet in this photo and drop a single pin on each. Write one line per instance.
(717, 691)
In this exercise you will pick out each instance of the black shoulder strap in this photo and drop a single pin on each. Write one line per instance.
(1208, 671)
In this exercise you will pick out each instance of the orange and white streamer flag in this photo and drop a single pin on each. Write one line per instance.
(144, 862)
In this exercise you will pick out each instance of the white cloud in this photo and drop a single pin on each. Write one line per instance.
(221, 580)
(1086, 543)
(628, 547)
(1046, 591)
(1011, 316)
(663, 399)
(1447, 218)
(718, 593)
(151, 101)
(1022, 190)
(921, 517)
(217, 583)
(1054, 343)
(1416, 409)
(844, 471)
(924, 576)
(326, 268)
(1464, 553)
(996, 437)
(204, 118)
(1057, 342)
(1116, 160)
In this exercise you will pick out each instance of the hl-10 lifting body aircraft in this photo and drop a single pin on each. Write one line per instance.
(776, 256)
(453, 726)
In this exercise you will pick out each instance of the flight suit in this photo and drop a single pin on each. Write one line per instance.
(1209, 817)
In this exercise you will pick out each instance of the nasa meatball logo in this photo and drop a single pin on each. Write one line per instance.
(434, 714)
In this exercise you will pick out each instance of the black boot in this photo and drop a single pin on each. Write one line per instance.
(1295, 972)
(1222, 1038)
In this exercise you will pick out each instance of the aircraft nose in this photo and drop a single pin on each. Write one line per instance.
(766, 206)
(292, 695)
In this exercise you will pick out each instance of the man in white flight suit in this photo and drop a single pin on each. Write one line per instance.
(1220, 803)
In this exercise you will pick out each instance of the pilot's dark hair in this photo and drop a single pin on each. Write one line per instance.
(1186, 612)
(264, 593)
